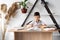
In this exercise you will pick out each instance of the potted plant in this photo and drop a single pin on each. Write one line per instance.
(24, 6)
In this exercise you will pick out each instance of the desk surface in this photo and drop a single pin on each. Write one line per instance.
(13, 30)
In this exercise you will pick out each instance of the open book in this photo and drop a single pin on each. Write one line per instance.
(34, 28)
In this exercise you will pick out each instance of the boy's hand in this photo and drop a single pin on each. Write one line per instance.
(29, 26)
(42, 26)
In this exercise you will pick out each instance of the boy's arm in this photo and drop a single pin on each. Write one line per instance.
(29, 26)
(42, 26)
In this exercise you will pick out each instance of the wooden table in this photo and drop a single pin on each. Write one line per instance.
(32, 35)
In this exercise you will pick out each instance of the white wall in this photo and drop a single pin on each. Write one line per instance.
(19, 18)
(55, 7)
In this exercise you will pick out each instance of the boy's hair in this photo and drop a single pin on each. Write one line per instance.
(37, 14)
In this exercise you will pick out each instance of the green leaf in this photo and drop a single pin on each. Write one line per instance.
(22, 3)
(25, 0)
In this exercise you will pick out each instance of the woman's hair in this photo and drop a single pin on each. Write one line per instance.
(37, 14)
(12, 10)
(4, 6)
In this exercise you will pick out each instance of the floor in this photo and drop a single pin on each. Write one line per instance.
(56, 36)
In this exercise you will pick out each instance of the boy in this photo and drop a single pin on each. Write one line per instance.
(36, 22)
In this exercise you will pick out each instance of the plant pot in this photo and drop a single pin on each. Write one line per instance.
(24, 10)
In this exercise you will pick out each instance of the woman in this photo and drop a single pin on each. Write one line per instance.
(3, 13)
(10, 17)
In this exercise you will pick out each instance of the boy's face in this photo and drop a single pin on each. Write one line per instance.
(37, 18)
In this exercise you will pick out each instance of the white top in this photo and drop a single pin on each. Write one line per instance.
(0, 20)
(17, 20)
(3, 20)
(0, 15)
(37, 23)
